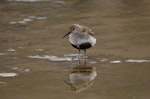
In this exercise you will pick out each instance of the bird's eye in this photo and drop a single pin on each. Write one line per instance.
(72, 28)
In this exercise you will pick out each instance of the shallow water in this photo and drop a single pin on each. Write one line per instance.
(35, 62)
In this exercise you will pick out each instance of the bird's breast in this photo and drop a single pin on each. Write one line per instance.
(82, 39)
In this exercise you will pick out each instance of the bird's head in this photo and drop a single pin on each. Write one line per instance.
(75, 28)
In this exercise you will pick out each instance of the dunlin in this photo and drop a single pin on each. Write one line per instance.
(81, 37)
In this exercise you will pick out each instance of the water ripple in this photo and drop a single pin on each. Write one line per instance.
(51, 58)
(74, 57)
(8, 74)
(137, 61)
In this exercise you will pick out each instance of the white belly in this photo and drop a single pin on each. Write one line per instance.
(78, 40)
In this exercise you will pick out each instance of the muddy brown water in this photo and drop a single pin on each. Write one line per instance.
(31, 46)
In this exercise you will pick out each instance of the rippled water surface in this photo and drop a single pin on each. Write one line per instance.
(37, 63)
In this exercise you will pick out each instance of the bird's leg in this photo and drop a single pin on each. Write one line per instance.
(85, 54)
(85, 57)
(84, 51)
(79, 56)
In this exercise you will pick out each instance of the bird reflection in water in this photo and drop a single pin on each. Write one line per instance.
(81, 78)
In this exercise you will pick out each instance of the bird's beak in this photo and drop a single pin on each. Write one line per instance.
(66, 34)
